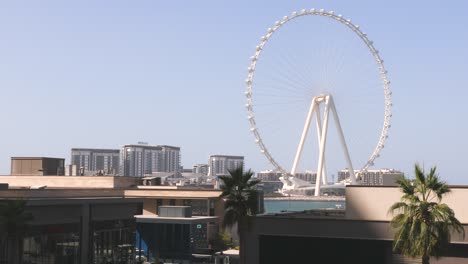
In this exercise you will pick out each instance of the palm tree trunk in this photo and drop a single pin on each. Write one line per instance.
(244, 226)
(11, 250)
(240, 227)
(425, 259)
(14, 249)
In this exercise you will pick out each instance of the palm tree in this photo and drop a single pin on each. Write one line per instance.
(241, 197)
(14, 222)
(423, 224)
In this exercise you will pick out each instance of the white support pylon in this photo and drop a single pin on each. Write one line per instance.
(343, 142)
(318, 121)
(303, 137)
(322, 138)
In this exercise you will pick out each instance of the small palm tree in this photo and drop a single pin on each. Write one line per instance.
(423, 224)
(241, 197)
(14, 222)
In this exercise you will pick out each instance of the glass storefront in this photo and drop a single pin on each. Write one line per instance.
(110, 242)
(165, 241)
(52, 244)
(199, 207)
(114, 241)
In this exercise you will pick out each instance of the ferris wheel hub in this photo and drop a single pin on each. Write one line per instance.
(321, 98)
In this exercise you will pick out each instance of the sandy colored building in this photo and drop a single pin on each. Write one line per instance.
(88, 219)
(358, 234)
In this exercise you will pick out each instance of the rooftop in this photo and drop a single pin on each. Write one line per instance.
(175, 220)
(150, 146)
(227, 156)
(314, 213)
(34, 158)
(95, 149)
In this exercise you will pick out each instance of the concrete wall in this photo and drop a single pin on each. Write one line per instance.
(149, 207)
(71, 212)
(59, 193)
(113, 211)
(70, 181)
(172, 193)
(372, 203)
(55, 214)
(31, 166)
(301, 226)
(297, 226)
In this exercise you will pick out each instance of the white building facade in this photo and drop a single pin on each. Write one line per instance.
(142, 159)
(221, 164)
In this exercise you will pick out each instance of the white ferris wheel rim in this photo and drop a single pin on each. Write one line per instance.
(370, 46)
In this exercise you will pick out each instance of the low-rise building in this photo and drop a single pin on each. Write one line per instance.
(74, 225)
(42, 166)
(360, 233)
(93, 219)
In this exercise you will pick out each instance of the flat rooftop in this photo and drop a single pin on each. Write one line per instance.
(43, 187)
(314, 213)
(175, 220)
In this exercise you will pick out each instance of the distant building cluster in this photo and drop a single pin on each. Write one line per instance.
(370, 177)
(131, 160)
(383, 177)
(309, 176)
(269, 175)
(142, 159)
(272, 175)
(270, 179)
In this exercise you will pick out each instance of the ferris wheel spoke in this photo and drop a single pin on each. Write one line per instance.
(289, 83)
(300, 76)
(281, 87)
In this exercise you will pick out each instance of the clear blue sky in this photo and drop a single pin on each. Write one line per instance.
(107, 73)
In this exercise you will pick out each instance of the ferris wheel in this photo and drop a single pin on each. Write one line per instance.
(317, 65)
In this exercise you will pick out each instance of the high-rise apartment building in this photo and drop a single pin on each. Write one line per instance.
(140, 159)
(385, 177)
(89, 160)
(220, 164)
(170, 159)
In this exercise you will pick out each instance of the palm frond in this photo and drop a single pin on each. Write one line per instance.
(405, 185)
(397, 206)
(419, 174)
(241, 199)
(423, 227)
